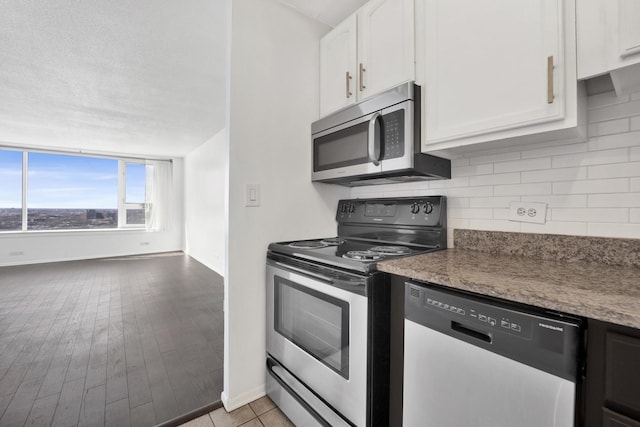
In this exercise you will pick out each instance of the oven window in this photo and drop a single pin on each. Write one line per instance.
(315, 322)
(342, 148)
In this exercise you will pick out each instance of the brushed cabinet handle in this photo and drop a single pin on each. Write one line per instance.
(362, 70)
(348, 78)
(550, 96)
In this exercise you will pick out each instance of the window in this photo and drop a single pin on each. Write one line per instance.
(50, 191)
(71, 192)
(135, 193)
(10, 190)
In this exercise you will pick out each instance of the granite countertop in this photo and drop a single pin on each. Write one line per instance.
(596, 290)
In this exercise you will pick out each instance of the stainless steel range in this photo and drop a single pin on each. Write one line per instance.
(329, 311)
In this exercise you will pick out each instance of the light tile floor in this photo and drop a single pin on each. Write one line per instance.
(259, 413)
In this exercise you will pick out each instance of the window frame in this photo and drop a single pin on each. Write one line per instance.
(122, 205)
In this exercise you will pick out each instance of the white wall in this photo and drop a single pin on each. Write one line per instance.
(273, 100)
(592, 188)
(204, 197)
(51, 246)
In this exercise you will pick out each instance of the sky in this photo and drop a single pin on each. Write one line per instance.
(62, 181)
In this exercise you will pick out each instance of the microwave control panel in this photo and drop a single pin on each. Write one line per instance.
(393, 140)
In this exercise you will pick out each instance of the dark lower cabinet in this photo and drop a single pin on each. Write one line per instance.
(612, 395)
(612, 419)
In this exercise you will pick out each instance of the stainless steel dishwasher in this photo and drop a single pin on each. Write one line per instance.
(474, 362)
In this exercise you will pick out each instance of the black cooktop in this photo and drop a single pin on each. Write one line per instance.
(371, 230)
(350, 255)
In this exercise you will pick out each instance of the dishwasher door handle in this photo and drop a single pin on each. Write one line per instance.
(471, 332)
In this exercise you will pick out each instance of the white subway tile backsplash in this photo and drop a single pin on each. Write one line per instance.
(492, 202)
(461, 181)
(482, 169)
(454, 223)
(501, 213)
(614, 171)
(459, 162)
(562, 201)
(486, 191)
(608, 128)
(551, 227)
(591, 158)
(620, 200)
(617, 111)
(523, 189)
(591, 215)
(470, 213)
(605, 99)
(493, 158)
(628, 139)
(523, 165)
(495, 179)
(459, 202)
(552, 175)
(626, 231)
(494, 225)
(555, 150)
(591, 186)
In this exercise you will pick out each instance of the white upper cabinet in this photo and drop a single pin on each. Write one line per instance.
(495, 70)
(386, 45)
(369, 52)
(609, 40)
(338, 66)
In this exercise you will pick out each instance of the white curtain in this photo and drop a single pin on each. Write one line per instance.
(159, 195)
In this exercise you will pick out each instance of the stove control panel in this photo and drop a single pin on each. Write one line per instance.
(422, 211)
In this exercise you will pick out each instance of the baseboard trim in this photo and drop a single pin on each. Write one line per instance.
(181, 419)
(242, 399)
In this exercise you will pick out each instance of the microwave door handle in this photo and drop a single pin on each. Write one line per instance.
(373, 145)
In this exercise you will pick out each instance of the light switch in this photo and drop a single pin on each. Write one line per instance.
(252, 195)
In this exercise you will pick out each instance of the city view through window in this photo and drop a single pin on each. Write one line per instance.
(68, 192)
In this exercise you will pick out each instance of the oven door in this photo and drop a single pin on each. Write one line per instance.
(317, 330)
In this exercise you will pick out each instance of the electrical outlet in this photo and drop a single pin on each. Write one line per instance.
(16, 253)
(144, 243)
(528, 212)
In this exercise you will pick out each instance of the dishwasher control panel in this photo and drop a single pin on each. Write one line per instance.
(483, 315)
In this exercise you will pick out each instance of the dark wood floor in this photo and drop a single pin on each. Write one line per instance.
(128, 341)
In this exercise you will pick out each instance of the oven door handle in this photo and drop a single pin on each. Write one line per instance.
(373, 143)
(307, 273)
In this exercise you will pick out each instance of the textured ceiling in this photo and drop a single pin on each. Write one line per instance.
(143, 77)
(330, 12)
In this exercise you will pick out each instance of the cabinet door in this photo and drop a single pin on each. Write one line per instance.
(386, 45)
(608, 36)
(622, 372)
(629, 31)
(611, 419)
(338, 67)
(491, 66)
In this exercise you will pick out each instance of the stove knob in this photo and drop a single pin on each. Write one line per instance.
(415, 208)
(428, 207)
(352, 208)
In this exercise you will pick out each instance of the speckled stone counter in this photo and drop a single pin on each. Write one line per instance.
(599, 291)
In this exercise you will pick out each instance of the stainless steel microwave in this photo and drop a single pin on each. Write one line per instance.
(376, 141)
